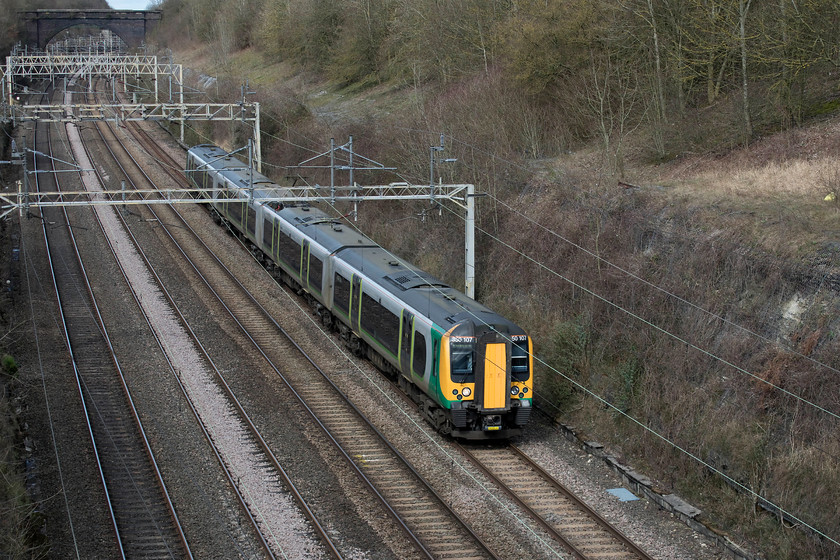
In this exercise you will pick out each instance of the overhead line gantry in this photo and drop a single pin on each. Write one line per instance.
(85, 66)
(77, 67)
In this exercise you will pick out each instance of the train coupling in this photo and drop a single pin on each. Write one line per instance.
(491, 422)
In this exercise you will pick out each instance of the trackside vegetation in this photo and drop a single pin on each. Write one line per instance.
(660, 208)
(657, 176)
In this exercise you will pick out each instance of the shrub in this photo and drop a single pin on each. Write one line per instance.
(9, 365)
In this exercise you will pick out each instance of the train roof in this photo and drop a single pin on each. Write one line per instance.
(329, 232)
(235, 171)
(433, 298)
(438, 301)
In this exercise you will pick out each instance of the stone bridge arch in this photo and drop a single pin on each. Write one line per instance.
(131, 26)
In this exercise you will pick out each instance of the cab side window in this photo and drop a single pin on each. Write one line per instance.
(418, 358)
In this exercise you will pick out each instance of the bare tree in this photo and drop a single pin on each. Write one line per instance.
(647, 13)
(612, 92)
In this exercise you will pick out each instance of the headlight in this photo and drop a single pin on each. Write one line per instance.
(524, 390)
(514, 390)
(466, 392)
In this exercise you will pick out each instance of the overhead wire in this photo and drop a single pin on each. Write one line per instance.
(662, 290)
(624, 270)
(613, 407)
(652, 325)
(664, 438)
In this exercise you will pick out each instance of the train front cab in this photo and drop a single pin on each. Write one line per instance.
(486, 377)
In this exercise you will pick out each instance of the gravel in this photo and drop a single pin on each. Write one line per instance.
(498, 521)
(484, 506)
(280, 520)
(654, 530)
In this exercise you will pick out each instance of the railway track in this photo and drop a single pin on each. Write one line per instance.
(262, 477)
(143, 517)
(557, 509)
(433, 527)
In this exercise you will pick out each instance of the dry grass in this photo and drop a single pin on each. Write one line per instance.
(743, 234)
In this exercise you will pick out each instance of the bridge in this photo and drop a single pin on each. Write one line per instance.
(130, 25)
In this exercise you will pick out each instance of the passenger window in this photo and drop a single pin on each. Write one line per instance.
(341, 293)
(316, 271)
(380, 323)
(289, 252)
(235, 211)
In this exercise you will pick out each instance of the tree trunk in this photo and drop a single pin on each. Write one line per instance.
(658, 62)
(743, 8)
(711, 84)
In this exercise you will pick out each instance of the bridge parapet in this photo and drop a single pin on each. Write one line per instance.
(131, 26)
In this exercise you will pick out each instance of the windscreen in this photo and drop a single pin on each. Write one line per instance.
(519, 363)
(462, 355)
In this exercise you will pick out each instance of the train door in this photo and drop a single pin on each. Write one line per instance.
(304, 263)
(356, 298)
(225, 195)
(406, 329)
(492, 372)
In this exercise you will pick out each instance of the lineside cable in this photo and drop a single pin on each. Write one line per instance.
(652, 285)
(653, 325)
(661, 289)
(619, 268)
(641, 424)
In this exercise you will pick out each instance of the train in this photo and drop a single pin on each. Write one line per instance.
(469, 369)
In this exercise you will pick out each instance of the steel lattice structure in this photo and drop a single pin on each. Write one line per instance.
(48, 65)
(76, 67)
(106, 65)
(24, 201)
(461, 194)
(248, 112)
(175, 112)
